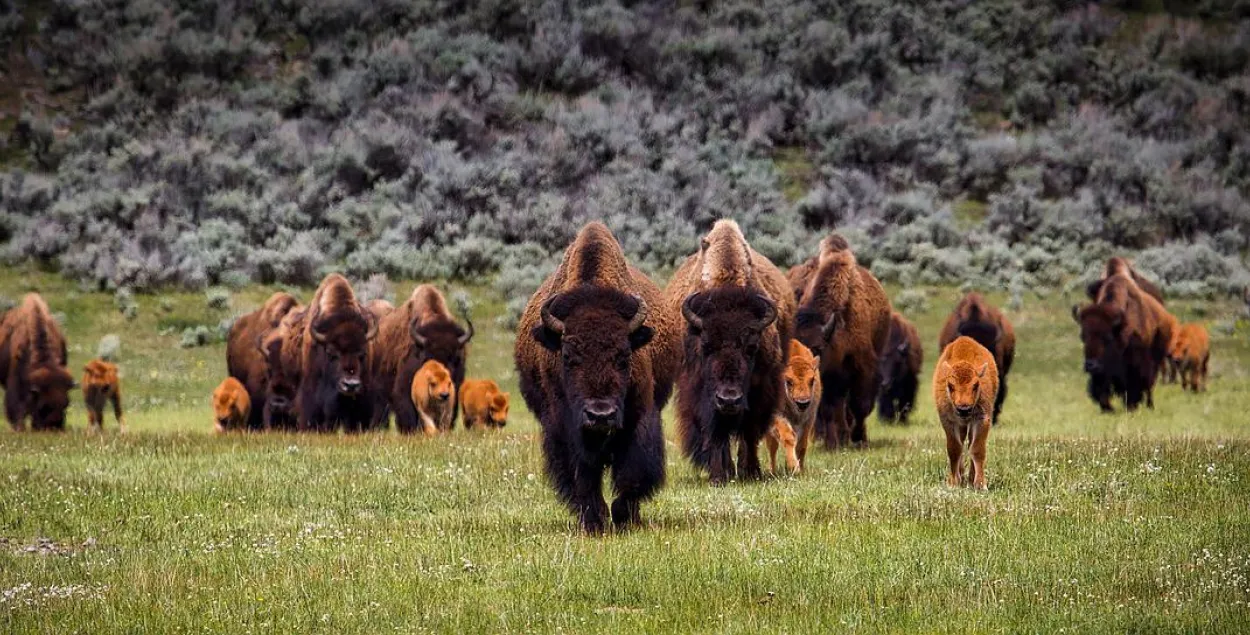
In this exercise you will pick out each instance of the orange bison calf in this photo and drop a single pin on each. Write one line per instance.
(796, 414)
(433, 396)
(100, 385)
(483, 403)
(1191, 352)
(965, 385)
(231, 405)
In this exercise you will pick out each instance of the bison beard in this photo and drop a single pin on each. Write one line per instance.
(596, 416)
(727, 389)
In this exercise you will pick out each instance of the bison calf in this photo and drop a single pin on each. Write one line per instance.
(976, 318)
(965, 385)
(483, 403)
(1191, 353)
(101, 386)
(231, 405)
(900, 371)
(433, 395)
(796, 414)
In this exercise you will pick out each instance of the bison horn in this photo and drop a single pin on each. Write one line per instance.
(317, 334)
(831, 326)
(464, 339)
(414, 331)
(640, 315)
(550, 321)
(770, 314)
(687, 311)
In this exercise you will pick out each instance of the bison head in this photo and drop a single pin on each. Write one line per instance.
(802, 377)
(444, 341)
(723, 335)
(437, 381)
(280, 382)
(894, 362)
(497, 411)
(595, 331)
(343, 340)
(963, 386)
(1101, 327)
(49, 396)
(814, 329)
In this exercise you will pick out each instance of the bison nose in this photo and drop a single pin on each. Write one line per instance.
(729, 399)
(349, 385)
(279, 403)
(802, 404)
(599, 412)
(444, 396)
(1092, 366)
(964, 411)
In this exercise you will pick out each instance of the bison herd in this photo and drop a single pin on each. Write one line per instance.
(752, 354)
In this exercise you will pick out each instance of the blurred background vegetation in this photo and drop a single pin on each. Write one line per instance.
(1004, 144)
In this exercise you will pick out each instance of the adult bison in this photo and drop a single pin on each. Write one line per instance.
(417, 331)
(738, 311)
(245, 358)
(1125, 334)
(281, 349)
(596, 365)
(1119, 266)
(978, 319)
(844, 318)
(334, 387)
(33, 360)
(900, 371)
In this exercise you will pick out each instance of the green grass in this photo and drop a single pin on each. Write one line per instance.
(1092, 523)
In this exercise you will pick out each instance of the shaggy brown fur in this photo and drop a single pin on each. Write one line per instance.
(483, 403)
(900, 371)
(231, 406)
(101, 386)
(596, 379)
(280, 348)
(420, 329)
(845, 318)
(33, 357)
(245, 359)
(1126, 335)
(1119, 266)
(335, 382)
(736, 347)
(380, 308)
(1191, 350)
(796, 415)
(799, 275)
(983, 322)
(964, 384)
(433, 397)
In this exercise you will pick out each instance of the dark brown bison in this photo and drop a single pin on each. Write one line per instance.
(596, 365)
(280, 348)
(900, 371)
(1125, 334)
(978, 319)
(419, 330)
(334, 387)
(738, 311)
(1116, 266)
(33, 359)
(844, 318)
(245, 358)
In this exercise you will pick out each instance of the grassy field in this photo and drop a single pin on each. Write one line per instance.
(1122, 523)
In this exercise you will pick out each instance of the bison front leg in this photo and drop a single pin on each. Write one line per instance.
(14, 409)
(955, 454)
(117, 409)
(976, 471)
(637, 472)
(588, 502)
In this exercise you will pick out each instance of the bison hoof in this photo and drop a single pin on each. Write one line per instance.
(626, 513)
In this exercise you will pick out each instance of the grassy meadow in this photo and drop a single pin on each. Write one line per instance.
(1093, 523)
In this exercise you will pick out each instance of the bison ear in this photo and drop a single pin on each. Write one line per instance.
(640, 337)
(984, 367)
(816, 361)
(946, 367)
(903, 346)
(547, 338)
